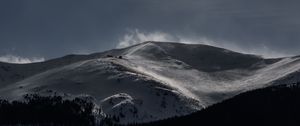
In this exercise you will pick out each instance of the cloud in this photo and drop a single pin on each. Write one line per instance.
(19, 60)
(136, 36)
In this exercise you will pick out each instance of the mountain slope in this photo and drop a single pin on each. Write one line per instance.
(107, 82)
(276, 105)
(152, 80)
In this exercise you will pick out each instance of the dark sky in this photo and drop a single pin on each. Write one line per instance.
(54, 28)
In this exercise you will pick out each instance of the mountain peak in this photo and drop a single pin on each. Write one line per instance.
(202, 57)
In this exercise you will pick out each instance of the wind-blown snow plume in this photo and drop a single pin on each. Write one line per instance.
(261, 50)
(136, 36)
(19, 60)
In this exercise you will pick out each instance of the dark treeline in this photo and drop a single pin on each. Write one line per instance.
(278, 105)
(47, 110)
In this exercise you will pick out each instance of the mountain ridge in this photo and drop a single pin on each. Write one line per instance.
(151, 80)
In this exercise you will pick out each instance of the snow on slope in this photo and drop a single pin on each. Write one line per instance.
(152, 80)
(157, 60)
(10, 73)
(146, 99)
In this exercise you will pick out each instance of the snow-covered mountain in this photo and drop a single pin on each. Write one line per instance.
(151, 80)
